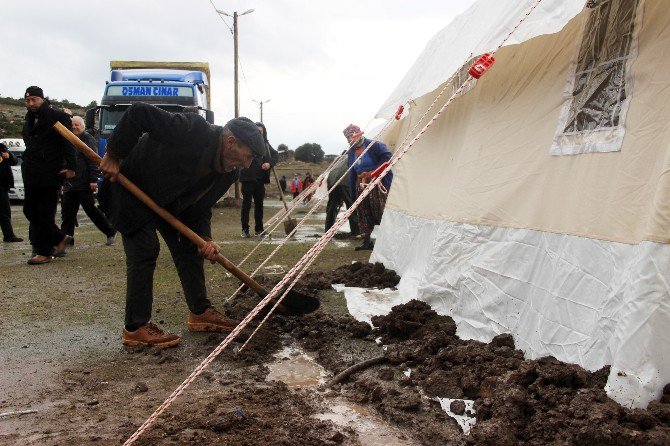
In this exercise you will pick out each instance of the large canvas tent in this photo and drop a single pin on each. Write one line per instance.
(538, 204)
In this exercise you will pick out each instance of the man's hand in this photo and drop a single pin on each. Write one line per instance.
(109, 166)
(210, 251)
(265, 166)
(94, 186)
(67, 173)
(5, 155)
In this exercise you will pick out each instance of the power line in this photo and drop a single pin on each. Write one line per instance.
(222, 19)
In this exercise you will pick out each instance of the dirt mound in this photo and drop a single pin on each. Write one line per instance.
(365, 275)
(517, 401)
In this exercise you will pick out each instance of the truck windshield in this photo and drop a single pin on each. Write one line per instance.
(109, 117)
(19, 157)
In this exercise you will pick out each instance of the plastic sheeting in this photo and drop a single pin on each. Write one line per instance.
(581, 300)
(599, 87)
(478, 30)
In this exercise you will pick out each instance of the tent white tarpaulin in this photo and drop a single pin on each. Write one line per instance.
(538, 204)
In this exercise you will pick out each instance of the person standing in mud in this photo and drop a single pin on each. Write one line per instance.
(79, 190)
(339, 195)
(308, 181)
(282, 184)
(371, 209)
(7, 160)
(296, 186)
(253, 182)
(185, 165)
(47, 160)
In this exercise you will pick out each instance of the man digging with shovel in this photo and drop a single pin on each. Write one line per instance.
(185, 165)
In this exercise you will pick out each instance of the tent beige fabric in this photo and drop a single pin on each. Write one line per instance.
(489, 152)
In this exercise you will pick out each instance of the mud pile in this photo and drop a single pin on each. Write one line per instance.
(517, 401)
(364, 275)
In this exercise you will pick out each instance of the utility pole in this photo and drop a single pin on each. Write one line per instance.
(260, 103)
(236, 79)
(236, 56)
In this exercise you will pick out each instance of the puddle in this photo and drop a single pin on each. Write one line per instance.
(296, 368)
(371, 429)
(299, 370)
(271, 270)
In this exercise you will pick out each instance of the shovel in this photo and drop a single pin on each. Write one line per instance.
(294, 303)
(289, 223)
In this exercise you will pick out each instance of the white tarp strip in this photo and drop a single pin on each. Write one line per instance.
(478, 30)
(581, 300)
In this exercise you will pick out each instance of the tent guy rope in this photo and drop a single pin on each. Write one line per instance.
(296, 272)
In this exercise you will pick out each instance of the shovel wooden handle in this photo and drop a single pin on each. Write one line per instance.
(165, 215)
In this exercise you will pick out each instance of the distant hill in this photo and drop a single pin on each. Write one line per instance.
(13, 111)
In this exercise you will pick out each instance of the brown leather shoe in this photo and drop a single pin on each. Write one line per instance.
(150, 334)
(210, 320)
(59, 249)
(39, 260)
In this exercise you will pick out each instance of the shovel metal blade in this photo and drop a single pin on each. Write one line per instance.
(296, 304)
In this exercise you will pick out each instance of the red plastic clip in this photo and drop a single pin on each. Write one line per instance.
(378, 171)
(398, 114)
(481, 66)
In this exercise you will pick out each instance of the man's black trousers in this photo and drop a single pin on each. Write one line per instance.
(39, 207)
(5, 215)
(142, 248)
(70, 206)
(338, 196)
(253, 190)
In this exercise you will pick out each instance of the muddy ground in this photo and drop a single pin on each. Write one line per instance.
(61, 358)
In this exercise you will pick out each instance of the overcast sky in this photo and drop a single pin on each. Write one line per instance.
(320, 65)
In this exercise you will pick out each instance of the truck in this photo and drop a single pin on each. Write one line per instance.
(17, 147)
(172, 86)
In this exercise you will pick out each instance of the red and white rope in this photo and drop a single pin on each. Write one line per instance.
(296, 272)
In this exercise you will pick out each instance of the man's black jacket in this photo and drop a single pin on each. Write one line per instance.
(6, 174)
(86, 171)
(255, 172)
(47, 153)
(169, 157)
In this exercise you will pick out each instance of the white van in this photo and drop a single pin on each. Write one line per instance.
(16, 146)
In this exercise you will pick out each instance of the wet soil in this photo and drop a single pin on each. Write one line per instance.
(516, 401)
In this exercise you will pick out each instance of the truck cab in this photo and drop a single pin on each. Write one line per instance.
(172, 89)
(16, 147)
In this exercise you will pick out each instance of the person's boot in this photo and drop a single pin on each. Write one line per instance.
(150, 334)
(12, 239)
(39, 260)
(59, 249)
(110, 240)
(210, 320)
(367, 244)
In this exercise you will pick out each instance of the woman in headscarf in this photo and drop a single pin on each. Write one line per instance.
(372, 207)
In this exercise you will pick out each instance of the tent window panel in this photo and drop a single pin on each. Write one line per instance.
(593, 114)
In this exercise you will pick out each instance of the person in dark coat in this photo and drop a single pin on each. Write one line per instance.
(371, 209)
(253, 182)
(79, 190)
(7, 160)
(282, 184)
(308, 181)
(47, 160)
(339, 195)
(185, 165)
